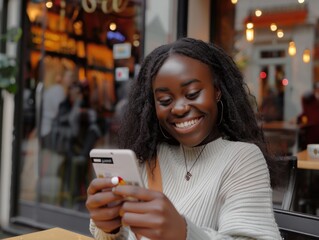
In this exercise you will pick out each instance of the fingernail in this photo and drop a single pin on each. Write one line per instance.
(115, 180)
(121, 181)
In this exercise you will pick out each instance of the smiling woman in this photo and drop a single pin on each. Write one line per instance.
(190, 122)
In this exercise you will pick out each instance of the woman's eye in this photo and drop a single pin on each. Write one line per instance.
(192, 95)
(165, 102)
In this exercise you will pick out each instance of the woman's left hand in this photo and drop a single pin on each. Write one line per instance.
(152, 216)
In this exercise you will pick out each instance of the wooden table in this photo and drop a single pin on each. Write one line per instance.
(280, 125)
(51, 234)
(306, 162)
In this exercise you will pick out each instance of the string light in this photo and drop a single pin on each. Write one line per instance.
(280, 33)
(258, 12)
(249, 30)
(273, 27)
(292, 48)
(49, 4)
(306, 56)
(113, 26)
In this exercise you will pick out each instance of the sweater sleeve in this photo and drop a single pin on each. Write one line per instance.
(99, 234)
(247, 211)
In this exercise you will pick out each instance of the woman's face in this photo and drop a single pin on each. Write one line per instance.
(185, 100)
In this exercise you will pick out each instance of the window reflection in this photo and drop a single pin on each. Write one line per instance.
(78, 66)
(282, 82)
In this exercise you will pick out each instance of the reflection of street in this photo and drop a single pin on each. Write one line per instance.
(29, 172)
(75, 117)
(51, 183)
(306, 192)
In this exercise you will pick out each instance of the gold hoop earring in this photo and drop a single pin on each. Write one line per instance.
(163, 132)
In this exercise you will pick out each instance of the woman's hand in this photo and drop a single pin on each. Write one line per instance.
(153, 216)
(103, 205)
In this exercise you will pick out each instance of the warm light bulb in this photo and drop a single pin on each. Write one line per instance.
(49, 4)
(292, 49)
(136, 43)
(250, 34)
(249, 30)
(249, 25)
(273, 27)
(301, 1)
(234, 1)
(258, 12)
(112, 26)
(280, 33)
(306, 56)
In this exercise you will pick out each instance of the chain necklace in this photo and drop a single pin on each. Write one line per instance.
(188, 172)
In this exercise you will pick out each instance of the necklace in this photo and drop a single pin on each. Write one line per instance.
(188, 172)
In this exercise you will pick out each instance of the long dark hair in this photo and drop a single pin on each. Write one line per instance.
(140, 128)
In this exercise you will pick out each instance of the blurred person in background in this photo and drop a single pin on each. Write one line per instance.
(309, 118)
(272, 106)
(58, 79)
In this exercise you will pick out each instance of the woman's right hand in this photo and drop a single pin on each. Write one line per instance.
(103, 205)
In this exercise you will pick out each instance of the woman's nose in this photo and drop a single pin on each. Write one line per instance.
(180, 108)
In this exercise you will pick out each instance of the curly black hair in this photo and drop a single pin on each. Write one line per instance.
(140, 129)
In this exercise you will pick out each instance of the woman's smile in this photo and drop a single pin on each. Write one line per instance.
(187, 127)
(187, 124)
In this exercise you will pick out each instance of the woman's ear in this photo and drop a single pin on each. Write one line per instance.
(218, 94)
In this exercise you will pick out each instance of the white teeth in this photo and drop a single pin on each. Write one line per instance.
(186, 124)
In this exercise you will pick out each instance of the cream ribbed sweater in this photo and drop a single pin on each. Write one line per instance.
(228, 196)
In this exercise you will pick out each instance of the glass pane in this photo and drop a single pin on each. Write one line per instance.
(285, 84)
(273, 54)
(80, 58)
(272, 89)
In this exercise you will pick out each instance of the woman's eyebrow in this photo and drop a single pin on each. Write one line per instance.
(184, 84)
(161, 89)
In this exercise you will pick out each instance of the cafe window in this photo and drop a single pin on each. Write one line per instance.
(273, 54)
(283, 82)
(78, 60)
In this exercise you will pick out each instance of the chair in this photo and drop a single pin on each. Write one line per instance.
(284, 192)
(296, 226)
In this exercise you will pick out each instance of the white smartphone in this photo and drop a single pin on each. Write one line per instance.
(116, 163)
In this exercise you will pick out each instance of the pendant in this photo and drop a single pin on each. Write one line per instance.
(188, 176)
